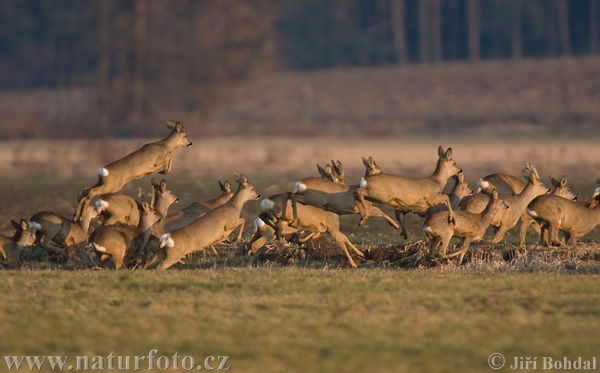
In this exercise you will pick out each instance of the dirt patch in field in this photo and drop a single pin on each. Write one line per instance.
(323, 253)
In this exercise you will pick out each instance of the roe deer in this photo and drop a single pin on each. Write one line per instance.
(406, 194)
(193, 211)
(459, 191)
(118, 208)
(310, 219)
(52, 227)
(162, 199)
(10, 247)
(467, 225)
(506, 219)
(123, 243)
(212, 228)
(371, 167)
(149, 158)
(555, 213)
(330, 196)
(339, 170)
(505, 184)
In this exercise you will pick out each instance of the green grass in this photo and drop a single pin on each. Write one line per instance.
(299, 319)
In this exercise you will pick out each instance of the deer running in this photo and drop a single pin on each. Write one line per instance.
(555, 213)
(149, 158)
(310, 219)
(407, 194)
(123, 243)
(52, 227)
(192, 212)
(10, 247)
(469, 226)
(211, 228)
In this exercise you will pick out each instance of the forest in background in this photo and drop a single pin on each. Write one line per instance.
(122, 68)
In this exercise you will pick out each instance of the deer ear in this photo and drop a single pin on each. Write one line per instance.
(563, 181)
(441, 151)
(178, 127)
(163, 185)
(145, 206)
(321, 170)
(365, 161)
(170, 126)
(15, 224)
(227, 186)
(495, 194)
(554, 182)
(448, 154)
(24, 225)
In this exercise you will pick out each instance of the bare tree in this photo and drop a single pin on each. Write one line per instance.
(564, 35)
(593, 14)
(397, 10)
(424, 31)
(436, 30)
(517, 29)
(473, 17)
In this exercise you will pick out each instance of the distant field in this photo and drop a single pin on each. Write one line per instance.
(303, 308)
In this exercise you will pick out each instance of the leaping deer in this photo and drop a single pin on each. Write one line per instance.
(407, 194)
(212, 228)
(149, 158)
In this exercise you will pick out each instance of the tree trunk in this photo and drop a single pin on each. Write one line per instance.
(103, 70)
(138, 69)
(517, 29)
(436, 31)
(397, 10)
(424, 47)
(564, 35)
(473, 26)
(593, 14)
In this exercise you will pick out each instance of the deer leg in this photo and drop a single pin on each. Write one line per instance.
(401, 217)
(313, 235)
(554, 229)
(376, 211)
(168, 163)
(466, 244)
(499, 234)
(432, 247)
(359, 200)
(445, 240)
(544, 234)
(525, 222)
(241, 223)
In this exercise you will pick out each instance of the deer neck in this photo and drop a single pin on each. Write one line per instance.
(170, 141)
(441, 174)
(489, 212)
(238, 200)
(161, 207)
(527, 194)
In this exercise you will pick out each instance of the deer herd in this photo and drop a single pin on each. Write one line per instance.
(143, 233)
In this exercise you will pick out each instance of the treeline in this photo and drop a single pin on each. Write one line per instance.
(143, 56)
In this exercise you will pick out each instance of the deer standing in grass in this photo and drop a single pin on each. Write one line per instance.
(192, 212)
(123, 243)
(52, 227)
(555, 213)
(469, 226)
(330, 196)
(310, 219)
(213, 227)
(10, 247)
(407, 194)
(151, 157)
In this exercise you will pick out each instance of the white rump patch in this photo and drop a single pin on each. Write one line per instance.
(34, 225)
(299, 187)
(531, 213)
(266, 204)
(427, 229)
(596, 192)
(482, 184)
(166, 240)
(102, 172)
(363, 183)
(259, 223)
(101, 205)
(96, 247)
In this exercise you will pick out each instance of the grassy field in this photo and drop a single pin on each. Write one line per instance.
(303, 308)
(303, 319)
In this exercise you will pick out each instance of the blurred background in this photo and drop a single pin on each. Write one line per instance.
(107, 68)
